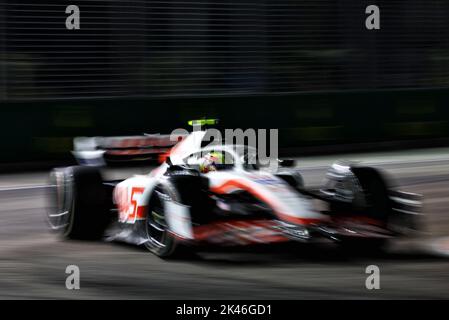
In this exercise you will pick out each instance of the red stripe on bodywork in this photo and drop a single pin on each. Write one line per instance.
(234, 184)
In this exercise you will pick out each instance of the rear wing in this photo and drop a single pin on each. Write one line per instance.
(100, 151)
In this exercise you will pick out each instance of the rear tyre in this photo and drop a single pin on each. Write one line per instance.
(79, 201)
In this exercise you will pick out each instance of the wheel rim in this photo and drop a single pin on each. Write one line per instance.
(156, 225)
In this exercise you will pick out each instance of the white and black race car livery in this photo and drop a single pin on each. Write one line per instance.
(177, 206)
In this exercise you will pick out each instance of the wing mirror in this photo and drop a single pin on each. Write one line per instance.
(287, 163)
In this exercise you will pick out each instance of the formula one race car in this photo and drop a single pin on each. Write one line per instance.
(196, 198)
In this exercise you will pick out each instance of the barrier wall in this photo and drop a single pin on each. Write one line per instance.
(43, 131)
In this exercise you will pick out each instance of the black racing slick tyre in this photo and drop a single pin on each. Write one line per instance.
(79, 203)
(159, 240)
(378, 206)
(375, 188)
(185, 191)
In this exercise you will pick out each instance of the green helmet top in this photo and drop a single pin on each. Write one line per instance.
(203, 122)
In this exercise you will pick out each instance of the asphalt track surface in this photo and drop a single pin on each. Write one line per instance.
(33, 260)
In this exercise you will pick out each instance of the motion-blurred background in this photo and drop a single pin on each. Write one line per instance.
(309, 68)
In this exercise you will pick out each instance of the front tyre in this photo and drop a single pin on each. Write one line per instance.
(159, 240)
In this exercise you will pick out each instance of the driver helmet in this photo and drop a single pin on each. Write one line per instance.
(210, 162)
